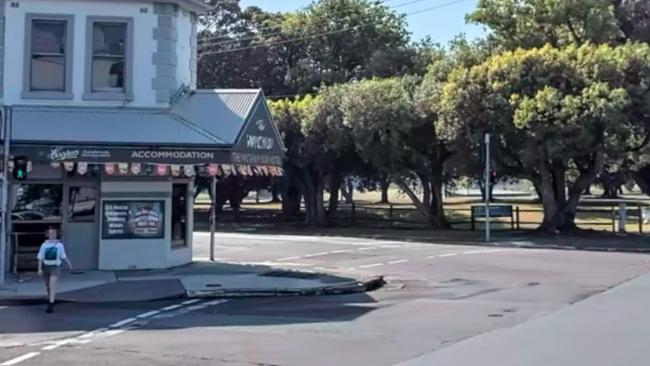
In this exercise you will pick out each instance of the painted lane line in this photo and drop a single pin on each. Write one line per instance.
(371, 265)
(215, 302)
(146, 315)
(20, 359)
(171, 307)
(188, 302)
(447, 255)
(288, 259)
(339, 251)
(4, 307)
(398, 261)
(92, 333)
(122, 322)
(367, 248)
(432, 257)
(316, 254)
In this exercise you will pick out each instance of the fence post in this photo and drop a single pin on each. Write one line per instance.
(640, 219)
(472, 218)
(354, 212)
(390, 214)
(622, 217)
(613, 220)
(517, 215)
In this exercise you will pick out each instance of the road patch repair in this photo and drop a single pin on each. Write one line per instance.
(197, 280)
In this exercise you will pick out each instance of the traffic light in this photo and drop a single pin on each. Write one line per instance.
(20, 167)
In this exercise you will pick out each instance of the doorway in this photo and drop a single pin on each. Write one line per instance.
(80, 224)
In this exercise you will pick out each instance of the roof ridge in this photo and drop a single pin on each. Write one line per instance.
(195, 128)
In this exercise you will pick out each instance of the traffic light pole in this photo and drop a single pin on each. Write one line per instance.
(487, 187)
(4, 210)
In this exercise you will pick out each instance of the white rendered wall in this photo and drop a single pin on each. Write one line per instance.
(144, 47)
(184, 51)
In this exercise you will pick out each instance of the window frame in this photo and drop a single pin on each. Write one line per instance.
(122, 95)
(68, 57)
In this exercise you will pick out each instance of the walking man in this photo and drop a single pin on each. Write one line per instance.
(50, 257)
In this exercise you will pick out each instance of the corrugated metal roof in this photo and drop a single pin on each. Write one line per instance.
(129, 126)
(219, 112)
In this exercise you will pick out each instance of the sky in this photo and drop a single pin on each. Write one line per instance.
(441, 24)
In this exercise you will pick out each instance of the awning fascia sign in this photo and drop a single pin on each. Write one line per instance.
(107, 154)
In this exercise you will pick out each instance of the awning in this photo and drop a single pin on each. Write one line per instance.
(202, 127)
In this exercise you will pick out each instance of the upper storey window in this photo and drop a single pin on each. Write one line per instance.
(48, 59)
(109, 68)
(109, 57)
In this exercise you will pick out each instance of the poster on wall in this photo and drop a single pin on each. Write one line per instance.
(133, 220)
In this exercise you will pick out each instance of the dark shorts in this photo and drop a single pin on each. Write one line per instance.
(49, 271)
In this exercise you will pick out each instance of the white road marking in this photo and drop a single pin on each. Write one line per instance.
(447, 255)
(339, 251)
(315, 254)
(4, 307)
(20, 359)
(171, 307)
(122, 322)
(118, 327)
(367, 248)
(288, 259)
(146, 315)
(371, 265)
(398, 261)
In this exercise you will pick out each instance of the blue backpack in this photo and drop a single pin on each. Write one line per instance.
(51, 253)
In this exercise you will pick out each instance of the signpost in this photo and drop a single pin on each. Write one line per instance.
(213, 215)
(487, 187)
(4, 204)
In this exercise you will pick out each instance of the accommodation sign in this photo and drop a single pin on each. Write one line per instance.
(133, 220)
(128, 155)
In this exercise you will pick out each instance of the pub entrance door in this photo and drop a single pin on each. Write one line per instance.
(80, 228)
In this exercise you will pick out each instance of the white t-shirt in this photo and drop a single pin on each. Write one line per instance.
(51, 253)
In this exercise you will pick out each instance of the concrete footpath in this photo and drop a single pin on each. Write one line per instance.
(197, 280)
(611, 328)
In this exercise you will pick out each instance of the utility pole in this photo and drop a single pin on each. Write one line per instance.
(213, 215)
(487, 187)
(4, 196)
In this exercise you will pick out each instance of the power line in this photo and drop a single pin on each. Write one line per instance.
(261, 30)
(287, 41)
(206, 41)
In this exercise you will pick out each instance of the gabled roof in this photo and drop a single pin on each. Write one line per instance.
(220, 112)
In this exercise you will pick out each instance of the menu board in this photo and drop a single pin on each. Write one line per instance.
(133, 220)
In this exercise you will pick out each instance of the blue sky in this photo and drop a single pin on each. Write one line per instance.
(441, 24)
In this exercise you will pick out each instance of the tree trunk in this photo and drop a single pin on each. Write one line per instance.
(275, 191)
(422, 207)
(347, 190)
(385, 185)
(548, 198)
(335, 187)
(437, 212)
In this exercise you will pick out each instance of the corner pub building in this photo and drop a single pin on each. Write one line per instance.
(99, 106)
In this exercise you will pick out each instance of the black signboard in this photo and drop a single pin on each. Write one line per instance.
(133, 220)
(495, 211)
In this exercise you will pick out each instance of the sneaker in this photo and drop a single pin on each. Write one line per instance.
(50, 308)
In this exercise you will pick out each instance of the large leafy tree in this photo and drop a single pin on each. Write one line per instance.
(558, 115)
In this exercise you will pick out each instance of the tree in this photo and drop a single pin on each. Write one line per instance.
(534, 23)
(554, 113)
(355, 35)
(320, 150)
(395, 139)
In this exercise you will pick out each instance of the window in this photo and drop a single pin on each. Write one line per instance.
(81, 204)
(48, 57)
(37, 202)
(109, 40)
(108, 66)
(179, 215)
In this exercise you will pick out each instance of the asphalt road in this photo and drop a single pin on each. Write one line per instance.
(436, 297)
